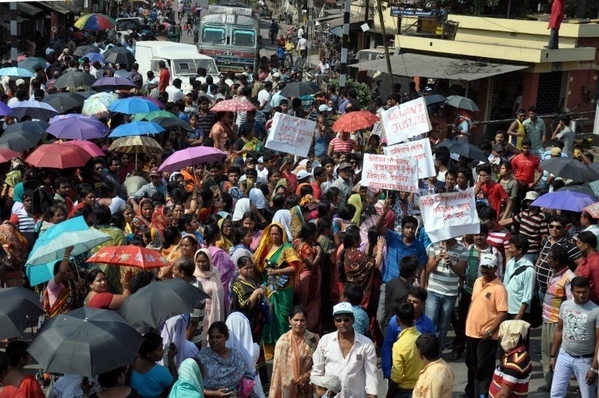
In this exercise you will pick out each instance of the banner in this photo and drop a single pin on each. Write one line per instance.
(419, 150)
(390, 172)
(291, 134)
(448, 215)
(406, 120)
(596, 125)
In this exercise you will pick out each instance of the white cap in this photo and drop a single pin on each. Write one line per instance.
(276, 74)
(302, 174)
(343, 308)
(19, 82)
(187, 92)
(324, 108)
(488, 260)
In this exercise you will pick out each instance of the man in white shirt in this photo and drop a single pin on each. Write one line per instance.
(347, 356)
(302, 47)
(174, 91)
(264, 97)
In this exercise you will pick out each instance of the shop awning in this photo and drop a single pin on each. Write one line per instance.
(28, 10)
(59, 6)
(434, 67)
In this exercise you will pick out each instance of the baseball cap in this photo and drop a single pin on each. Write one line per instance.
(488, 260)
(324, 108)
(19, 82)
(555, 151)
(343, 308)
(531, 195)
(344, 165)
(187, 92)
(154, 172)
(276, 75)
(302, 174)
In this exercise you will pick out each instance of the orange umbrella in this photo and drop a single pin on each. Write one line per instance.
(132, 256)
(59, 155)
(354, 121)
(593, 210)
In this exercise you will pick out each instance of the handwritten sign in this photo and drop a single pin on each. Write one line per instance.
(390, 172)
(406, 120)
(419, 150)
(291, 134)
(448, 215)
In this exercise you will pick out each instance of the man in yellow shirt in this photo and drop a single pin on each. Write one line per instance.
(436, 379)
(407, 362)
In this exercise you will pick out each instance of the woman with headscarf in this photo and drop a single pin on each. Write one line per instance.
(143, 218)
(226, 234)
(174, 332)
(257, 198)
(278, 263)
(209, 277)
(308, 284)
(190, 383)
(300, 215)
(220, 259)
(14, 245)
(283, 217)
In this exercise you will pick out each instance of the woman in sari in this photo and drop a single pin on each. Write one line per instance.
(226, 234)
(99, 297)
(250, 220)
(300, 214)
(209, 277)
(293, 359)
(221, 260)
(190, 383)
(15, 246)
(308, 284)
(143, 219)
(278, 263)
(63, 293)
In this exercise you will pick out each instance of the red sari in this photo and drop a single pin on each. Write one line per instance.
(308, 285)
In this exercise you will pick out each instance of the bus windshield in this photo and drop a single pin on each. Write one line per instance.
(244, 38)
(213, 35)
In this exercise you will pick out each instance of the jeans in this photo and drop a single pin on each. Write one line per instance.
(547, 332)
(480, 360)
(400, 393)
(565, 366)
(438, 309)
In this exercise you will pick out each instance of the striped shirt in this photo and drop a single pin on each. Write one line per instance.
(558, 291)
(340, 146)
(543, 270)
(534, 227)
(514, 371)
(23, 221)
(500, 239)
(443, 280)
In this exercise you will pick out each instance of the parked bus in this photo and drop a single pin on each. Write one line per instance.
(230, 35)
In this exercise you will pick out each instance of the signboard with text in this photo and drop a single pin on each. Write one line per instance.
(390, 172)
(419, 150)
(405, 121)
(449, 215)
(290, 134)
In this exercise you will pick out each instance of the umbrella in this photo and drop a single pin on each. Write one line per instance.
(169, 123)
(97, 104)
(300, 89)
(85, 128)
(6, 155)
(16, 72)
(95, 21)
(30, 126)
(93, 57)
(155, 303)
(123, 73)
(465, 149)
(19, 307)
(89, 147)
(23, 136)
(152, 115)
(133, 256)
(462, 103)
(584, 188)
(570, 169)
(119, 55)
(74, 80)
(83, 50)
(354, 121)
(156, 102)
(33, 109)
(190, 156)
(337, 31)
(73, 232)
(63, 102)
(31, 62)
(136, 128)
(4, 109)
(593, 210)
(434, 99)
(136, 144)
(564, 200)
(234, 105)
(133, 105)
(594, 166)
(86, 341)
(59, 155)
(112, 83)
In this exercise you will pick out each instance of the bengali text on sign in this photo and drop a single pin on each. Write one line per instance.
(448, 215)
(405, 121)
(291, 134)
(390, 172)
(419, 150)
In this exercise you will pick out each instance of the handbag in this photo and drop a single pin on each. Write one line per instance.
(246, 386)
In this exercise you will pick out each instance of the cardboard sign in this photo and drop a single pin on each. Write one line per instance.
(406, 120)
(448, 215)
(390, 172)
(290, 134)
(419, 150)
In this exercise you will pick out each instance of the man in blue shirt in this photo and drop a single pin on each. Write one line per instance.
(417, 297)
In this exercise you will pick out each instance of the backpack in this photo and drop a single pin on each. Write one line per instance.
(536, 307)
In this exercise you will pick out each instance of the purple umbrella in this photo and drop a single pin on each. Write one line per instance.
(93, 57)
(4, 109)
(155, 101)
(78, 129)
(112, 83)
(564, 200)
(190, 156)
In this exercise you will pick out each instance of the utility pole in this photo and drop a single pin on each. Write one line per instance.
(14, 36)
(310, 29)
(385, 43)
(344, 44)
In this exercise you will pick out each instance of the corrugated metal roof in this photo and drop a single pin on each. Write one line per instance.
(60, 6)
(439, 67)
(28, 9)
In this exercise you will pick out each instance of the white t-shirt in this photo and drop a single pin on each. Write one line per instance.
(264, 99)
(174, 94)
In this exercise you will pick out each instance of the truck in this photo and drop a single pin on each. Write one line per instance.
(181, 59)
(231, 35)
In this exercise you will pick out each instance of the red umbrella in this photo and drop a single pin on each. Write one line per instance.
(354, 121)
(59, 155)
(233, 105)
(89, 147)
(131, 256)
(7, 154)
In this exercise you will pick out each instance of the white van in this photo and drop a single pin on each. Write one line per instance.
(181, 59)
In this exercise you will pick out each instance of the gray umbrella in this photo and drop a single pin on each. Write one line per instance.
(119, 55)
(570, 169)
(19, 307)
(460, 102)
(74, 80)
(85, 341)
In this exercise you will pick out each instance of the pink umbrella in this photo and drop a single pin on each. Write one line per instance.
(190, 156)
(59, 155)
(88, 147)
(155, 101)
(233, 105)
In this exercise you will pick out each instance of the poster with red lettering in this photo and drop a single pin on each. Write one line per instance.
(290, 134)
(390, 172)
(419, 150)
(449, 215)
(406, 120)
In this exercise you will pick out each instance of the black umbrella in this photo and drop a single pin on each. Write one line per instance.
(465, 149)
(119, 55)
(22, 136)
(300, 89)
(19, 305)
(155, 303)
(62, 102)
(31, 126)
(171, 122)
(584, 188)
(74, 80)
(85, 341)
(83, 50)
(594, 166)
(570, 169)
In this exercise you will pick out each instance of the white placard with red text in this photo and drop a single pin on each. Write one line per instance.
(406, 120)
(290, 134)
(390, 172)
(419, 150)
(449, 215)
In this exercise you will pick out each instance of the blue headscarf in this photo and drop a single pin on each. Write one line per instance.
(190, 383)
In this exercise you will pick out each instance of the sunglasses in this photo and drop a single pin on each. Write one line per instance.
(558, 227)
(340, 320)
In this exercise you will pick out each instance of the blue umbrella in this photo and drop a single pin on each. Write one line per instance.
(16, 72)
(37, 274)
(73, 232)
(564, 200)
(93, 57)
(136, 128)
(133, 105)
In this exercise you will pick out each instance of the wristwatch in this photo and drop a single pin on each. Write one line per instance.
(489, 333)
(596, 371)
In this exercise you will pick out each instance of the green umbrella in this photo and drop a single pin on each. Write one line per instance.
(149, 116)
(31, 62)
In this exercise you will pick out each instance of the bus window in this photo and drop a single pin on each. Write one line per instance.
(243, 38)
(213, 35)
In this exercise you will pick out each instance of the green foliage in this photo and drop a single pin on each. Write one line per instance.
(363, 91)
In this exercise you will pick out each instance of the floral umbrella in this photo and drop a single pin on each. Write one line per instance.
(97, 104)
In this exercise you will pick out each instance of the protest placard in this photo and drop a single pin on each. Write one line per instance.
(290, 134)
(390, 172)
(448, 215)
(419, 150)
(406, 120)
